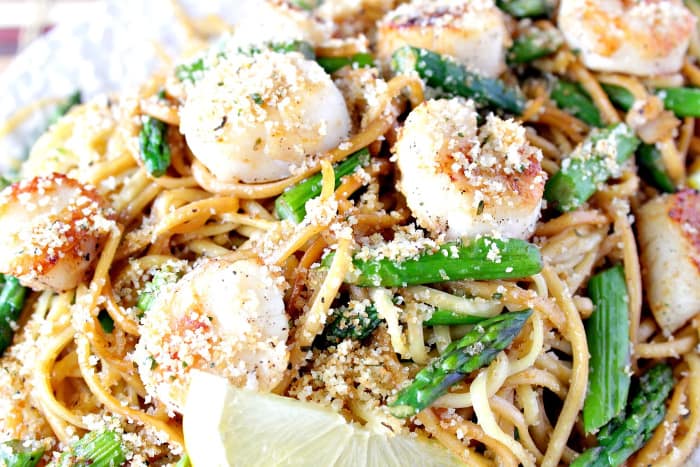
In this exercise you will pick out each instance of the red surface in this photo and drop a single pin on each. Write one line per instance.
(9, 37)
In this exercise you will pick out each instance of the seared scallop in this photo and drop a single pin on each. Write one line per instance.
(643, 37)
(222, 317)
(472, 32)
(461, 180)
(669, 239)
(53, 229)
(255, 117)
(259, 21)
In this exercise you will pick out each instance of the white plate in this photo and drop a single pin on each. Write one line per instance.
(109, 51)
(106, 52)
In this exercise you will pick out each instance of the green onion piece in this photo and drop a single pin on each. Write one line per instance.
(626, 434)
(607, 332)
(17, 453)
(333, 64)
(292, 203)
(571, 98)
(95, 449)
(475, 350)
(619, 96)
(652, 169)
(524, 8)
(484, 258)
(533, 44)
(684, 102)
(155, 150)
(443, 73)
(590, 165)
(11, 304)
(442, 317)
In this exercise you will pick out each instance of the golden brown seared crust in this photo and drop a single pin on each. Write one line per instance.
(639, 37)
(54, 227)
(613, 30)
(473, 32)
(527, 183)
(462, 180)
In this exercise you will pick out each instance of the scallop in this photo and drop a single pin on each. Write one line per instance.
(472, 32)
(669, 240)
(254, 118)
(53, 228)
(460, 180)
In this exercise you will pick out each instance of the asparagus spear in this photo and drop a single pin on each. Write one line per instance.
(17, 453)
(475, 350)
(442, 317)
(684, 102)
(533, 44)
(356, 321)
(292, 203)
(619, 96)
(624, 436)
(607, 332)
(524, 8)
(95, 449)
(484, 258)
(651, 168)
(573, 99)
(454, 79)
(593, 162)
(11, 303)
(333, 64)
(155, 150)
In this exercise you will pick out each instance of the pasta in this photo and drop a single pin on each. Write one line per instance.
(425, 245)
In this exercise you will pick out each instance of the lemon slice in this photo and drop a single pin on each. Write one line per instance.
(228, 426)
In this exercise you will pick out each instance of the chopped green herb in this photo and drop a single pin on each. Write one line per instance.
(257, 98)
(106, 321)
(191, 71)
